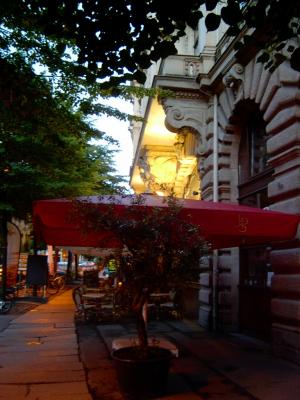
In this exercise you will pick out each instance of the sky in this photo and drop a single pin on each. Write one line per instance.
(119, 130)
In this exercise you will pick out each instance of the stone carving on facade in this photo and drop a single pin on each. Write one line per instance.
(144, 169)
(185, 146)
(192, 67)
(191, 142)
(234, 79)
(174, 168)
(168, 169)
(201, 166)
(187, 143)
(158, 166)
(182, 113)
(185, 115)
(179, 145)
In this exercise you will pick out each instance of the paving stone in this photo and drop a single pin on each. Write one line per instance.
(11, 375)
(52, 365)
(15, 359)
(103, 381)
(59, 389)
(13, 392)
(61, 396)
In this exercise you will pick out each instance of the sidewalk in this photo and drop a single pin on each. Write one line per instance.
(41, 359)
(39, 354)
(209, 366)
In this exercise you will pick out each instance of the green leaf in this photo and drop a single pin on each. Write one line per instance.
(231, 14)
(193, 19)
(139, 76)
(212, 21)
(233, 31)
(211, 4)
(263, 58)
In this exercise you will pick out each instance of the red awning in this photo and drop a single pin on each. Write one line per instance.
(222, 224)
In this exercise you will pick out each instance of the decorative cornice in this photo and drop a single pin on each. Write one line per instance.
(181, 94)
(188, 95)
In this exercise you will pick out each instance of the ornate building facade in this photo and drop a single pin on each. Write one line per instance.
(229, 132)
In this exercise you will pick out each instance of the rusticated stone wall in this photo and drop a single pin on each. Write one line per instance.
(282, 114)
(278, 97)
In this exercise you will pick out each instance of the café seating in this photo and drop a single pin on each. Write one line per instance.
(107, 305)
(166, 304)
(84, 310)
(94, 304)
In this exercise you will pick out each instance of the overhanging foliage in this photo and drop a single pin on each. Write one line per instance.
(45, 148)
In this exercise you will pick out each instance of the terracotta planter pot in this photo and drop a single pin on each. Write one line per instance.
(141, 378)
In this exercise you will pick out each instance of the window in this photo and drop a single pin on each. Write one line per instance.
(252, 155)
(254, 173)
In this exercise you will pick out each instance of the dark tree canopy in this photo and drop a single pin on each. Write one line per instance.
(118, 39)
(110, 37)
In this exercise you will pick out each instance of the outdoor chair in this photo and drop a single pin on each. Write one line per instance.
(83, 310)
(170, 307)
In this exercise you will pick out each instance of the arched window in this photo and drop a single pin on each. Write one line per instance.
(253, 159)
(254, 176)
(254, 173)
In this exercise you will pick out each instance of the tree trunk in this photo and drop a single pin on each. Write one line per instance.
(142, 331)
(138, 307)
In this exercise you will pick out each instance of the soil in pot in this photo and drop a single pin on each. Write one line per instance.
(142, 378)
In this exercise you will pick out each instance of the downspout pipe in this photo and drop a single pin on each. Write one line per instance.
(215, 199)
(215, 151)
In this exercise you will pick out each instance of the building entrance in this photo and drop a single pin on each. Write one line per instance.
(255, 293)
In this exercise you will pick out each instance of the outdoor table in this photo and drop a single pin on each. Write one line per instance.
(158, 299)
(160, 296)
(91, 289)
(93, 296)
(105, 307)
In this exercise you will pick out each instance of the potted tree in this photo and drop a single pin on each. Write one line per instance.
(162, 250)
